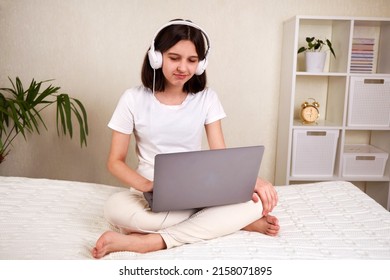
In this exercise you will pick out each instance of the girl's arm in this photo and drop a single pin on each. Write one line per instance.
(116, 163)
(215, 135)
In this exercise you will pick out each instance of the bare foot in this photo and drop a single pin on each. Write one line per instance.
(267, 224)
(112, 241)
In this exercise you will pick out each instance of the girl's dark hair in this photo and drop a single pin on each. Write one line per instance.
(164, 40)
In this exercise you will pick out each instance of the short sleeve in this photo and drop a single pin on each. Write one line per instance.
(215, 108)
(122, 119)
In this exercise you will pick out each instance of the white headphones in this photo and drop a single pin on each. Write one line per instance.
(155, 57)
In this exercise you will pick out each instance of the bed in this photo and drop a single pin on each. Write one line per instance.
(53, 219)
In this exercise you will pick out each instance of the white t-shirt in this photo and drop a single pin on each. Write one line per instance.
(160, 128)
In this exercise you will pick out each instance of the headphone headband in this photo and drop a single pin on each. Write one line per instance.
(155, 57)
(184, 22)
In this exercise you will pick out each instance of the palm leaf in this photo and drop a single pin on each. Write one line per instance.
(33, 91)
(20, 113)
(19, 89)
(47, 92)
(3, 112)
(68, 113)
(83, 134)
(15, 116)
(64, 107)
(13, 90)
(60, 117)
(85, 117)
(38, 115)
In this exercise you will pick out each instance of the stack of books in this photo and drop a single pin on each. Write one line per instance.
(362, 60)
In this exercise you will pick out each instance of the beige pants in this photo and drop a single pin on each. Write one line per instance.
(128, 211)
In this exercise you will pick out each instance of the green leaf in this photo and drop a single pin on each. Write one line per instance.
(14, 114)
(83, 134)
(309, 39)
(20, 112)
(68, 113)
(48, 91)
(60, 116)
(33, 91)
(301, 49)
(330, 47)
(13, 90)
(19, 89)
(85, 118)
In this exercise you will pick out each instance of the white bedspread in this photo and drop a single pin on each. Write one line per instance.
(50, 219)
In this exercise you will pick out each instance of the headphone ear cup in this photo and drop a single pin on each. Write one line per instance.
(201, 67)
(155, 58)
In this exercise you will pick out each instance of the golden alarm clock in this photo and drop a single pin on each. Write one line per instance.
(309, 112)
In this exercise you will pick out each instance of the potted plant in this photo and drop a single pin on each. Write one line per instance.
(20, 112)
(315, 57)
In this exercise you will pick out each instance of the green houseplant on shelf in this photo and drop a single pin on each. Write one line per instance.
(20, 112)
(315, 55)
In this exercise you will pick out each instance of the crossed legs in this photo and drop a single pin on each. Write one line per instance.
(174, 228)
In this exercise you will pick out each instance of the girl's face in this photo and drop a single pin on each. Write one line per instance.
(179, 63)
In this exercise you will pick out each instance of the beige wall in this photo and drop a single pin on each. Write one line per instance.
(94, 51)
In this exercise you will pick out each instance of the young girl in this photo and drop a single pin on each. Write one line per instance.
(168, 114)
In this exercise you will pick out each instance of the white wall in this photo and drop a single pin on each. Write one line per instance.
(94, 51)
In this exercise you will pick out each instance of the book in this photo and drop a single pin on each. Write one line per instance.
(362, 55)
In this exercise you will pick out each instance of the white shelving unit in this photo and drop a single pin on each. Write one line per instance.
(331, 89)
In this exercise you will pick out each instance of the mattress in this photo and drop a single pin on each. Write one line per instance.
(52, 219)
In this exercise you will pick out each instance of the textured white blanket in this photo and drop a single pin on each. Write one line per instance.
(51, 219)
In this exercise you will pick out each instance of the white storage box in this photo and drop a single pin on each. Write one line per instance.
(314, 152)
(369, 102)
(364, 161)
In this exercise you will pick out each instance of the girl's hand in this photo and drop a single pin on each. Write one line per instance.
(267, 194)
(147, 186)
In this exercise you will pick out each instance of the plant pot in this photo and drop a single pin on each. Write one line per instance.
(315, 61)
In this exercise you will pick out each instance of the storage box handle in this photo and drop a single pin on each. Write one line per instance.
(365, 157)
(316, 133)
(374, 81)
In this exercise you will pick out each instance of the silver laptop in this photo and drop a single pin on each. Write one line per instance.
(201, 179)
